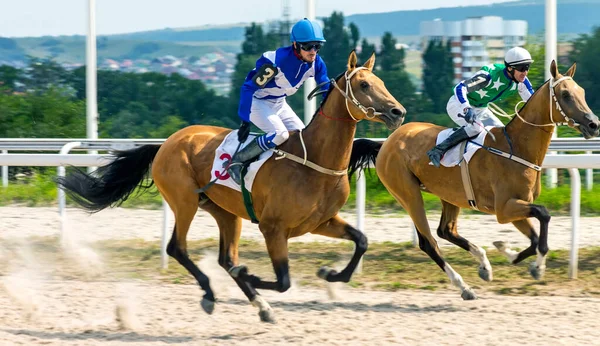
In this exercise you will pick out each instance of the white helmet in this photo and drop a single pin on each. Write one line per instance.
(517, 56)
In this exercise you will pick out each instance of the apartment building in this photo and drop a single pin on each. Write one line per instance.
(475, 42)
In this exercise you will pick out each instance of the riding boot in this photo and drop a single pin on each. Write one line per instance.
(251, 151)
(436, 154)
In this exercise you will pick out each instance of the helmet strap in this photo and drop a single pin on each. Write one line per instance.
(511, 72)
(297, 49)
(297, 53)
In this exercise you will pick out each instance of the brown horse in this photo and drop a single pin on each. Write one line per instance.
(289, 199)
(502, 186)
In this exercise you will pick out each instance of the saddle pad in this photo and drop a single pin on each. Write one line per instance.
(452, 156)
(224, 153)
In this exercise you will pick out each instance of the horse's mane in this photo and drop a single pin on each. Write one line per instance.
(324, 98)
(527, 102)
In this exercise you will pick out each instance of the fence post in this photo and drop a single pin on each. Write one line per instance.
(60, 171)
(589, 176)
(361, 193)
(5, 172)
(575, 211)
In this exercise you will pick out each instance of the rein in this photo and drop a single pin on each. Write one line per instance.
(349, 96)
(551, 84)
(353, 99)
(496, 110)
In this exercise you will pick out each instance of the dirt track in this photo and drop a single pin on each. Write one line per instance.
(39, 310)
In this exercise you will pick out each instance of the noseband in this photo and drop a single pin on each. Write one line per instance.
(369, 112)
(551, 84)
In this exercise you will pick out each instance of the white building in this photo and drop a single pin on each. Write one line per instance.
(476, 41)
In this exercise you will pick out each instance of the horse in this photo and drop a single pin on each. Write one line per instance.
(504, 184)
(290, 198)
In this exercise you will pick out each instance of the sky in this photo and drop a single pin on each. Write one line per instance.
(19, 18)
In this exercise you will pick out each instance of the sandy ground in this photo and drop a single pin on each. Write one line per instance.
(120, 223)
(35, 310)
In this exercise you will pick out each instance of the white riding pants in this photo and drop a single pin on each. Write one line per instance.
(276, 117)
(484, 117)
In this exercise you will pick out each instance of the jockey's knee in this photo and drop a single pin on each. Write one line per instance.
(473, 129)
(280, 137)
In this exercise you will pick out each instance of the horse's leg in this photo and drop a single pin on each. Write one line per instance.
(185, 207)
(448, 230)
(515, 210)
(338, 228)
(230, 229)
(525, 227)
(277, 246)
(404, 186)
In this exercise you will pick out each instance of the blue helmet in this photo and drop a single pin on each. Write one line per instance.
(307, 31)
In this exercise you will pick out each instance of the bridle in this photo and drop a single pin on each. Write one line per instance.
(568, 121)
(369, 112)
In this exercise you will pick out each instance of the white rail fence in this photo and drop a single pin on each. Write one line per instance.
(572, 162)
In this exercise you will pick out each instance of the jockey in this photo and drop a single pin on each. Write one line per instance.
(277, 74)
(468, 106)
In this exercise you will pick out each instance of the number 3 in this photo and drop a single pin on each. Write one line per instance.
(262, 80)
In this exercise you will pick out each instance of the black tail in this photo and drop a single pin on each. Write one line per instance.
(110, 185)
(364, 152)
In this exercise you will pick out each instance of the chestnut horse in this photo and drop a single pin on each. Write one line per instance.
(502, 186)
(290, 199)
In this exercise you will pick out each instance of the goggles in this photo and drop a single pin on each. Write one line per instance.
(521, 68)
(308, 46)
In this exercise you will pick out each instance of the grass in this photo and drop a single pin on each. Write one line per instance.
(387, 266)
(41, 191)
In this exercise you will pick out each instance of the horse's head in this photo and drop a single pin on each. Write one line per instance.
(569, 104)
(369, 95)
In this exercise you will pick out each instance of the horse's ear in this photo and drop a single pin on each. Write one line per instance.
(553, 69)
(352, 60)
(571, 71)
(370, 63)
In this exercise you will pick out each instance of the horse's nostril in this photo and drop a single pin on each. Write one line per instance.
(398, 111)
(593, 125)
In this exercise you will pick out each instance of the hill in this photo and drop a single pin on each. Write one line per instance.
(574, 17)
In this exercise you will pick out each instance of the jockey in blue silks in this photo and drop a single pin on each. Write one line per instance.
(277, 74)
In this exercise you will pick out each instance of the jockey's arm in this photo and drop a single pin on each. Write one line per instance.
(249, 87)
(525, 89)
(479, 81)
(321, 73)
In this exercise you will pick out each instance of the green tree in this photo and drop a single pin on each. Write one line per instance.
(335, 51)
(354, 34)
(49, 114)
(390, 58)
(586, 50)
(438, 74)
(43, 74)
(366, 49)
(9, 76)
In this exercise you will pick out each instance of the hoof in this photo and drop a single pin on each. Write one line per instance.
(237, 270)
(323, 272)
(207, 305)
(468, 295)
(485, 274)
(326, 273)
(500, 245)
(267, 316)
(536, 272)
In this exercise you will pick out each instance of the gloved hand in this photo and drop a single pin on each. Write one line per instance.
(244, 131)
(469, 115)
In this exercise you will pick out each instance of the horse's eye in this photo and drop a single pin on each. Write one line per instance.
(364, 85)
(565, 94)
